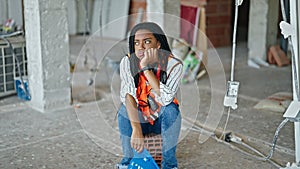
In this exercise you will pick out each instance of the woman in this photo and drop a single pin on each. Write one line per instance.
(150, 77)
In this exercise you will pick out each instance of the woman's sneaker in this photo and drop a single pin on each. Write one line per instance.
(120, 166)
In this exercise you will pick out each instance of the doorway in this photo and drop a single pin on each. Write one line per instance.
(243, 20)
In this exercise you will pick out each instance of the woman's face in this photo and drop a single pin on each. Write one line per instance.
(143, 40)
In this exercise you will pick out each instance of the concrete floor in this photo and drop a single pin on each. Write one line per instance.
(85, 135)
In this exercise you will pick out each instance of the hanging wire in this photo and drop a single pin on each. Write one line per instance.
(87, 24)
(234, 40)
(226, 123)
(295, 76)
(100, 18)
(237, 3)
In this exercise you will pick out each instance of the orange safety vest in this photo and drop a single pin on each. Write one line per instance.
(146, 100)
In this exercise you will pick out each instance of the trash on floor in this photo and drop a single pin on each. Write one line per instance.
(191, 65)
(277, 102)
(192, 60)
(277, 56)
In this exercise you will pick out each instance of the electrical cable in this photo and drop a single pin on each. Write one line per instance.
(234, 40)
(239, 141)
(87, 28)
(237, 3)
(226, 123)
(87, 51)
(100, 18)
(274, 141)
(264, 143)
(87, 22)
(261, 156)
(275, 138)
(232, 78)
(254, 156)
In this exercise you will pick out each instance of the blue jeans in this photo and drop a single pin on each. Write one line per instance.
(168, 125)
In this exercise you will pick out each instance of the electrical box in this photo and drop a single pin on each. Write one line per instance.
(230, 99)
(9, 65)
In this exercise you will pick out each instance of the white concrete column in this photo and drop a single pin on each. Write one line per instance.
(47, 46)
(172, 24)
(263, 25)
(3, 10)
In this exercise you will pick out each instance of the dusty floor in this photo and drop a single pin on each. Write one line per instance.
(85, 134)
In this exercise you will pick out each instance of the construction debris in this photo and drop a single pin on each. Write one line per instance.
(277, 56)
(277, 102)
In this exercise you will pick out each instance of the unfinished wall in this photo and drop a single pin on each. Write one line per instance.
(218, 16)
(11, 9)
(3, 11)
(218, 22)
(218, 19)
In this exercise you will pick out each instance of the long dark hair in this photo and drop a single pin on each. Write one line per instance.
(164, 51)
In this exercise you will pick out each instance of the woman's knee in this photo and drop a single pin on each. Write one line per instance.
(171, 119)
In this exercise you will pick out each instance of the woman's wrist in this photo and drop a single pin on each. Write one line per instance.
(145, 68)
(146, 72)
(136, 126)
(142, 66)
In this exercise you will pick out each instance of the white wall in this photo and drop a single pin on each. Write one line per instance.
(15, 11)
(112, 9)
(11, 9)
(3, 11)
(72, 16)
(113, 15)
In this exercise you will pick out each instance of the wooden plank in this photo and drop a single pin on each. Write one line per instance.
(202, 39)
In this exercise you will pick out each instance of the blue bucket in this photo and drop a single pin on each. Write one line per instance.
(142, 160)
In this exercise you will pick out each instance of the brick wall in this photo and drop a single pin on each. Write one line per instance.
(218, 19)
(218, 22)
